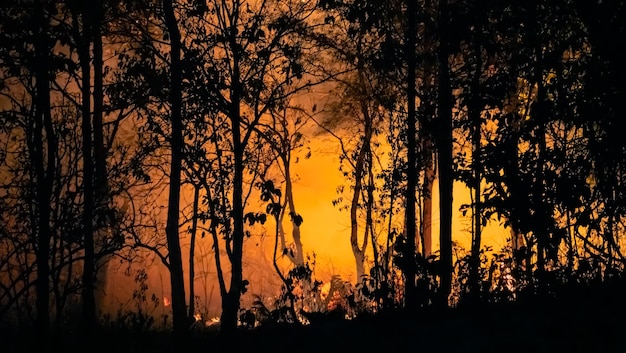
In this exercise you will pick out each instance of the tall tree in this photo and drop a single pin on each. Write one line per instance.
(83, 36)
(68, 91)
(254, 58)
(43, 152)
(411, 171)
(177, 144)
(443, 138)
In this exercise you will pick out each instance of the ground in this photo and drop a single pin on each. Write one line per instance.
(591, 321)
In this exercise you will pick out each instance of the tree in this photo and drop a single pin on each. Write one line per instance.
(411, 230)
(283, 133)
(176, 145)
(44, 162)
(68, 89)
(252, 56)
(443, 141)
(83, 37)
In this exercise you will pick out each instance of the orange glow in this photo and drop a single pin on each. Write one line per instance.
(325, 232)
(326, 229)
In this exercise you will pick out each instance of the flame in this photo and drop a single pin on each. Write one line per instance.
(213, 321)
(166, 302)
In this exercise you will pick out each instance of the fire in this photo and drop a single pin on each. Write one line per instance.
(214, 321)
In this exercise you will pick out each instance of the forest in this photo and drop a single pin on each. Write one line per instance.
(142, 133)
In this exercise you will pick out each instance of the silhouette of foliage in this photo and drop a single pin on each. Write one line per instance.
(110, 111)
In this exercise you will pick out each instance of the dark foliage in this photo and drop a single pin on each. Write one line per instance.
(555, 324)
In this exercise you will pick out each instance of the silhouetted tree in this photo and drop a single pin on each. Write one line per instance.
(179, 311)
(68, 88)
(443, 141)
(252, 56)
(44, 162)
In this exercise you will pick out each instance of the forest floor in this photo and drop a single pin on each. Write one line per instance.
(590, 321)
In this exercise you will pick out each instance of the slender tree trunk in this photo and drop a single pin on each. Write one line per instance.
(83, 38)
(173, 208)
(444, 147)
(299, 258)
(541, 232)
(98, 95)
(213, 230)
(427, 150)
(230, 303)
(377, 274)
(412, 175)
(476, 121)
(44, 170)
(192, 249)
(570, 242)
(221, 196)
(390, 233)
(357, 250)
(286, 283)
(369, 218)
(361, 165)
(101, 191)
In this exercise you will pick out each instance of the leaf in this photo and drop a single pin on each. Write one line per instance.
(297, 220)
(250, 218)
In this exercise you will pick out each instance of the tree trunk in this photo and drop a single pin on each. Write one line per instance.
(357, 250)
(44, 170)
(369, 218)
(83, 39)
(444, 147)
(230, 303)
(359, 173)
(430, 173)
(173, 208)
(411, 228)
(98, 94)
(101, 189)
(299, 256)
(362, 164)
(474, 111)
(192, 249)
